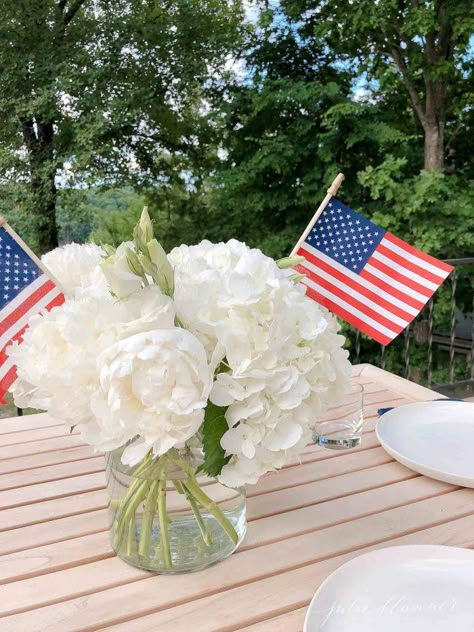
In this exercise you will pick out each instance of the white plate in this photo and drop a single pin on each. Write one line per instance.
(398, 589)
(432, 438)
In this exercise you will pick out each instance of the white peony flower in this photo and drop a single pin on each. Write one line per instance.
(156, 385)
(57, 360)
(76, 266)
(122, 282)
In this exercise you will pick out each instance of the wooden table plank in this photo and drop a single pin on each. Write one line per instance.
(59, 572)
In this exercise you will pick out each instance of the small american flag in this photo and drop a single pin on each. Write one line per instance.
(25, 290)
(364, 274)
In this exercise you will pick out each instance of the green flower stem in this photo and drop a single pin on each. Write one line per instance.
(138, 479)
(164, 521)
(129, 510)
(130, 534)
(206, 536)
(147, 523)
(203, 499)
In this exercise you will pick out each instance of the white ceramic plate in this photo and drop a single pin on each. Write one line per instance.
(432, 438)
(398, 589)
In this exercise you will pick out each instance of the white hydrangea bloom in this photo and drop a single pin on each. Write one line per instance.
(284, 361)
(76, 266)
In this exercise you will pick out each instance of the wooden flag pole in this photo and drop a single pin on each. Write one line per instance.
(4, 224)
(331, 192)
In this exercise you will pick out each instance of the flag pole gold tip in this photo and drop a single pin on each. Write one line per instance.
(3, 220)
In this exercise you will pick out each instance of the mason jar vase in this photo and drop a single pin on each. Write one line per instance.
(166, 518)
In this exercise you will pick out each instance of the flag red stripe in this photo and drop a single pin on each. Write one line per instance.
(411, 267)
(56, 302)
(5, 383)
(418, 253)
(401, 278)
(368, 311)
(383, 285)
(348, 316)
(28, 303)
(348, 281)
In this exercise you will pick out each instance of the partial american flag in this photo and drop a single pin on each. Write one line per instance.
(25, 290)
(364, 274)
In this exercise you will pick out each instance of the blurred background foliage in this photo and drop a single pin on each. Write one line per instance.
(230, 118)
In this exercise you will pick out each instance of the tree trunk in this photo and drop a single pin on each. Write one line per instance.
(434, 147)
(44, 198)
(39, 139)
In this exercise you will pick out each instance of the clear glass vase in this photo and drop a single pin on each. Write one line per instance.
(166, 518)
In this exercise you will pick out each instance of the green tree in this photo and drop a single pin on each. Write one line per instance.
(102, 91)
(422, 46)
(289, 128)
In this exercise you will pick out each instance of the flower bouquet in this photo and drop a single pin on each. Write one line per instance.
(196, 372)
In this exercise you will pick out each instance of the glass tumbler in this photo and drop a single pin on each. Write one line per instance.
(341, 427)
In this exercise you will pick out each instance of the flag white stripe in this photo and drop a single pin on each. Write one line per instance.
(396, 284)
(20, 298)
(35, 309)
(358, 279)
(397, 267)
(350, 308)
(357, 295)
(425, 265)
(5, 367)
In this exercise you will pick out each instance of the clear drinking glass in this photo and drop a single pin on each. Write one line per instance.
(341, 426)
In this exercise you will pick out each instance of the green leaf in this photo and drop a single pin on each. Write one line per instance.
(213, 428)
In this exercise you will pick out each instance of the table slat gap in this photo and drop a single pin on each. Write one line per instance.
(15, 465)
(52, 527)
(290, 621)
(276, 480)
(15, 513)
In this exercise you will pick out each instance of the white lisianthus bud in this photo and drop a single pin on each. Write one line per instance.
(296, 278)
(146, 227)
(108, 249)
(121, 280)
(134, 263)
(164, 271)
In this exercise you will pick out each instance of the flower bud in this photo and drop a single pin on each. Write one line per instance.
(296, 278)
(289, 262)
(164, 271)
(108, 249)
(134, 263)
(146, 227)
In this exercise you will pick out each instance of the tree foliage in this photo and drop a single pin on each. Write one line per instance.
(420, 46)
(100, 91)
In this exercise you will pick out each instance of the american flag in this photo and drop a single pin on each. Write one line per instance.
(25, 290)
(364, 274)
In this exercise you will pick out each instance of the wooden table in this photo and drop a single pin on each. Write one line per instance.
(58, 572)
